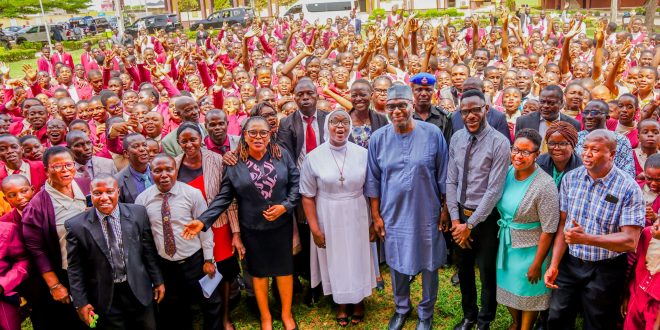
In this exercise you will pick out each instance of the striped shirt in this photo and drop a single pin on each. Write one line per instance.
(601, 207)
(116, 229)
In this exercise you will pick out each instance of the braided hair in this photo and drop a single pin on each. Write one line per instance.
(243, 149)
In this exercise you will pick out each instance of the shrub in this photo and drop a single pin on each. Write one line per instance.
(16, 55)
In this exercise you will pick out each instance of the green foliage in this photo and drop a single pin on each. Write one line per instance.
(260, 4)
(432, 13)
(21, 8)
(16, 55)
(221, 4)
(188, 5)
(377, 12)
(510, 4)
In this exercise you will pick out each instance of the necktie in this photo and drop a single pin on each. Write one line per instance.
(146, 180)
(466, 169)
(115, 251)
(310, 135)
(168, 233)
(18, 171)
(85, 178)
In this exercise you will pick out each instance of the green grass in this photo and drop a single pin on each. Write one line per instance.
(379, 308)
(16, 68)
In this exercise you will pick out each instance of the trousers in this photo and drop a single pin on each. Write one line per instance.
(401, 292)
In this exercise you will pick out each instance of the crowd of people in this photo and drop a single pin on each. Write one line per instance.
(291, 150)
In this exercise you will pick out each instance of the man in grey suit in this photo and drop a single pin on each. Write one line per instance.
(113, 270)
(87, 165)
(136, 177)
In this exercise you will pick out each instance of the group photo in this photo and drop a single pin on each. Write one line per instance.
(369, 164)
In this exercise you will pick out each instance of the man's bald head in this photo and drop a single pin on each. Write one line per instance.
(603, 135)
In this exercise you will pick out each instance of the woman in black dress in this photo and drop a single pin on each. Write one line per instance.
(265, 184)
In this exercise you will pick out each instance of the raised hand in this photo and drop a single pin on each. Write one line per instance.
(413, 25)
(4, 69)
(30, 73)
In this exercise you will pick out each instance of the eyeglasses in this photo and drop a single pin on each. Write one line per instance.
(337, 123)
(114, 106)
(592, 113)
(261, 134)
(524, 153)
(474, 111)
(396, 106)
(558, 145)
(60, 166)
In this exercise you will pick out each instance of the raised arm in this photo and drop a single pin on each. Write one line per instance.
(599, 36)
(287, 68)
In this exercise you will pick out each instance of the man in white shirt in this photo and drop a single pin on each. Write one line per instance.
(170, 205)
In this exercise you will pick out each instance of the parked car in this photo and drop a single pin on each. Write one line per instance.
(6, 40)
(85, 23)
(240, 15)
(37, 33)
(165, 22)
(11, 30)
(100, 24)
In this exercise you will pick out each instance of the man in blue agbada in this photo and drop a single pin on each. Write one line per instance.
(406, 184)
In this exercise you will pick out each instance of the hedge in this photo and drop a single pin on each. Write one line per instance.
(16, 55)
(68, 44)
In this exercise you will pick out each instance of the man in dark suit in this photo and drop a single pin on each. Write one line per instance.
(300, 133)
(136, 177)
(113, 269)
(551, 99)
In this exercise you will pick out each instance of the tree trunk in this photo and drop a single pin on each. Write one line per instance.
(649, 18)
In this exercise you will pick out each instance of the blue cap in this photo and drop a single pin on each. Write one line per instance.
(423, 78)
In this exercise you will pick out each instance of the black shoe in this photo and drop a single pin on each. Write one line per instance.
(454, 279)
(397, 321)
(313, 296)
(465, 325)
(483, 326)
(424, 324)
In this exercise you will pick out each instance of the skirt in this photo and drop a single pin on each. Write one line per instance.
(268, 253)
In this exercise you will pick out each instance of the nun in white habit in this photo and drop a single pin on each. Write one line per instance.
(332, 181)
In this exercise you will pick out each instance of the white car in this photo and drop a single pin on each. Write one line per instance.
(37, 33)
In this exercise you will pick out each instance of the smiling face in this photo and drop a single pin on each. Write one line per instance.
(56, 131)
(137, 153)
(257, 136)
(37, 117)
(594, 116)
(105, 195)
(473, 110)
(190, 142)
(361, 96)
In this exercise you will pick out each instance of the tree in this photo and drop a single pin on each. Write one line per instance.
(21, 8)
(221, 4)
(188, 5)
(649, 18)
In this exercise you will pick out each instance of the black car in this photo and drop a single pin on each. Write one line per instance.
(165, 22)
(240, 15)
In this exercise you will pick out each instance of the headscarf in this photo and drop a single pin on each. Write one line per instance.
(326, 125)
(565, 129)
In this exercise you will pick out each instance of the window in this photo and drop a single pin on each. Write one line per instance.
(295, 10)
(236, 13)
(329, 6)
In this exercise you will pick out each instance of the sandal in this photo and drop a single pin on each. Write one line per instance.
(342, 321)
(357, 319)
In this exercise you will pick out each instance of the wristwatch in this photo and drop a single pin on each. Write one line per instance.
(470, 226)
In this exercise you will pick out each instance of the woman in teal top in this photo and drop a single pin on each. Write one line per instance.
(530, 214)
